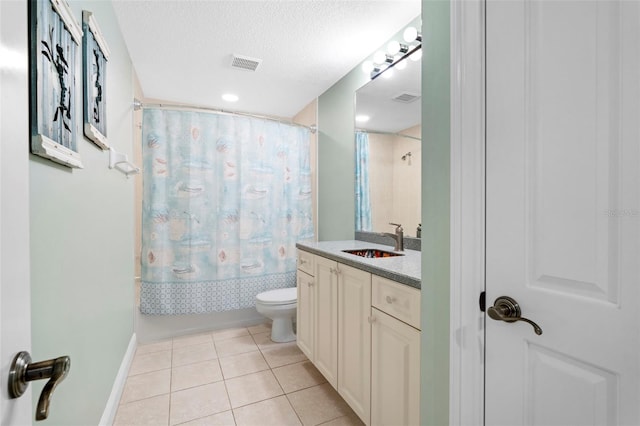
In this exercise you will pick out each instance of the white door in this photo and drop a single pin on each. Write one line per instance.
(15, 325)
(563, 211)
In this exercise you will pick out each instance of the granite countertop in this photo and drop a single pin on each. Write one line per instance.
(403, 269)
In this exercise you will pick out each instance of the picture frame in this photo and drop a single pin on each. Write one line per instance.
(95, 54)
(54, 39)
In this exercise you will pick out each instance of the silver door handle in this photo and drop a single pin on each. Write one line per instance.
(507, 309)
(24, 371)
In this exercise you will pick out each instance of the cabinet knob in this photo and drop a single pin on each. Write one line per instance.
(302, 261)
(371, 319)
(390, 299)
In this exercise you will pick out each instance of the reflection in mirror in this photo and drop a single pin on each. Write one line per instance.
(388, 150)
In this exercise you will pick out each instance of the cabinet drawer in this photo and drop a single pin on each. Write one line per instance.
(397, 300)
(305, 262)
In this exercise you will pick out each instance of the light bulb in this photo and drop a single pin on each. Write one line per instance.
(416, 56)
(393, 47)
(380, 57)
(362, 118)
(388, 74)
(367, 67)
(410, 34)
(230, 97)
(401, 65)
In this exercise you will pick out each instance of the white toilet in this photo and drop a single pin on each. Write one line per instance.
(280, 306)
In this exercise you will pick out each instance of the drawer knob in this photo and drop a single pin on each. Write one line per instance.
(302, 261)
(390, 299)
(371, 319)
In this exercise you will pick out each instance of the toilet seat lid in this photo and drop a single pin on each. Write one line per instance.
(279, 296)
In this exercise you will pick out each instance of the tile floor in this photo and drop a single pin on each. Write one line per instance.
(228, 377)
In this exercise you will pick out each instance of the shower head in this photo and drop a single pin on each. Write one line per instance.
(404, 157)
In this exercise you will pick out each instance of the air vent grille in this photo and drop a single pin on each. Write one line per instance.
(406, 97)
(245, 63)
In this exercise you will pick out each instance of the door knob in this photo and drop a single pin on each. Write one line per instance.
(24, 371)
(506, 309)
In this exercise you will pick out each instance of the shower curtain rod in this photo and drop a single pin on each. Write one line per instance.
(138, 105)
(388, 133)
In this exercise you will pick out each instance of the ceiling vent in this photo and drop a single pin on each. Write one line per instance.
(245, 63)
(406, 97)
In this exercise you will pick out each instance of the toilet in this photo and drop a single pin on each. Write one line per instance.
(280, 306)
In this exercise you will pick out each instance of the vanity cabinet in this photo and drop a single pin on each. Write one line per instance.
(361, 331)
(325, 354)
(304, 313)
(306, 303)
(317, 313)
(354, 339)
(395, 354)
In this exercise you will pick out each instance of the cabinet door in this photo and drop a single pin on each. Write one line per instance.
(395, 371)
(354, 339)
(326, 319)
(305, 314)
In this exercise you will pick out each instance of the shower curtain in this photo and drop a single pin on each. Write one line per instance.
(363, 202)
(226, 198)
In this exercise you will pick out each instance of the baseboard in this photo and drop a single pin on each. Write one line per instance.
(110, 410)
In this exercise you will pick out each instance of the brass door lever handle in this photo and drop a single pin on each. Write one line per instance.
(24, 371)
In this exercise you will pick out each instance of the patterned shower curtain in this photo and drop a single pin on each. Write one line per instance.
(363, 202)
(226, 198)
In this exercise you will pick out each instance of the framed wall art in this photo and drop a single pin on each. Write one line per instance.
(95, 54)
(55, 36)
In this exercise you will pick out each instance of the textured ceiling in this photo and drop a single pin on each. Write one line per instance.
(182, 50)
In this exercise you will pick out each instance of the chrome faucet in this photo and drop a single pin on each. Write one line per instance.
(398, 237)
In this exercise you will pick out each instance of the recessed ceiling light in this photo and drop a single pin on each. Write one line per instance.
(230, 97)
(362, 118)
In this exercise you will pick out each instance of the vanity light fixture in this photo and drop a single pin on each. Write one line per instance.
(400, 65)
(411, 34)
(367, 67)
(230, 97)
(382, 58)
(388, 74)
(395, 54)
(394, 47)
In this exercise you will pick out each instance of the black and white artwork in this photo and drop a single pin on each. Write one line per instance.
(95, 54)
(55, 38)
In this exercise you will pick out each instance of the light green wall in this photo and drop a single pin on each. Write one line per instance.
(336, 158)
(435, 212)
(82, 251)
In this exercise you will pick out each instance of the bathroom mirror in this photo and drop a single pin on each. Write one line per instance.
(388, 150)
